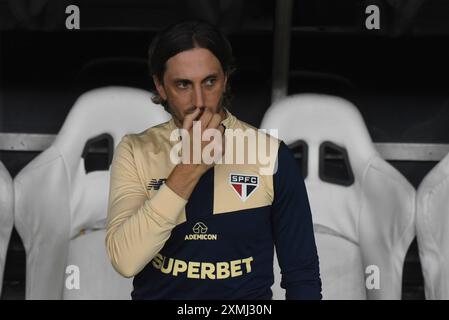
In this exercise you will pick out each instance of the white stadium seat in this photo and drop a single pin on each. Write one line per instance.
(60, 210)
(432, 225)
(6, 216)
(363, 226)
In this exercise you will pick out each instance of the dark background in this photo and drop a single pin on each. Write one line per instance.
(395, 76)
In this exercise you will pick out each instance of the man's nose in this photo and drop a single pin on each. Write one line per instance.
(198, 100)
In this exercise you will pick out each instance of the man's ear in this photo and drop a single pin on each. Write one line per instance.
(160, 88)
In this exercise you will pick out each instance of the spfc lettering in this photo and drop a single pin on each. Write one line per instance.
(244, 185)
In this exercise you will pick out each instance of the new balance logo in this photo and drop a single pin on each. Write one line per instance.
(155, 184)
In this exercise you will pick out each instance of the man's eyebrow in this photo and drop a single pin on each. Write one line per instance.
(213, 75)
(181, 80)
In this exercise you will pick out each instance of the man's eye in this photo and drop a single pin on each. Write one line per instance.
(210, 82)
(182, 84)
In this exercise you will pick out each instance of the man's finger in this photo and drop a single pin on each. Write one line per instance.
(214, 121)
(205, 119)
(189, 118)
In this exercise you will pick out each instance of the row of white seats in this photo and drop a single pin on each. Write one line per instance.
(6, 216)
(371, 222)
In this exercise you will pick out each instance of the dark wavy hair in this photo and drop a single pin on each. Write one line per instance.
(186, 36)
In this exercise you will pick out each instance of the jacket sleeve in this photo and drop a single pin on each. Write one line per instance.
(293, 230)
(137, 227)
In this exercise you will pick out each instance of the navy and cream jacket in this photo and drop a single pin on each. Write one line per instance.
(218, 244)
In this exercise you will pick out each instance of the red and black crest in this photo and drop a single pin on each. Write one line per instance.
(244, 185)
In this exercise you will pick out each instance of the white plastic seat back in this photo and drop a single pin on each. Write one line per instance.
(361, 227)
(432, 225)
(87, 253)
(6, 217)
(61, 210)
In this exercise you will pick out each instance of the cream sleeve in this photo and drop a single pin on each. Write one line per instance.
(137, 227)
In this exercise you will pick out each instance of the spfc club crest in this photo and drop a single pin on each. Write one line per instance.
(244, 185)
